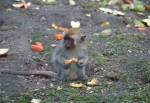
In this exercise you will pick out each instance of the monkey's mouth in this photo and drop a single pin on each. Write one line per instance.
(69, 47)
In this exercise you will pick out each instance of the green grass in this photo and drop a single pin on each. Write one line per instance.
(117, 45)
(74, 95)
(18, 98)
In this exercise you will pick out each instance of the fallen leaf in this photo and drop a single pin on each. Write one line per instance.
(58, 37)
(105, 24)
(50, 1)
(138, 23)
(88, 15)
(38, 43)
(147, 21)
(128, 1)
(53, 45)
(139, 8)
(71, 61)
(59, 88)
(141, 29)
(147, 7)
(3, 51)
(106, 32)
(114, 12)
(77, 85)
(60, 28)
(37, 47)
(72, 2)
(125, 7)
(75, 24)
(93, 82)
(36, 101)
(112, 2)
(23, 4)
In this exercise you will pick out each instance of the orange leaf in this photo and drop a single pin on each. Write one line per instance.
(77, 85)
(105, 24)
(58, 37)
(142, 29)
(147, 7)
(93, 82)
(128, 1)
(37, 47)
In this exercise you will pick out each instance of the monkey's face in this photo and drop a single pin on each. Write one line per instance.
(73, 41)
(69, 43)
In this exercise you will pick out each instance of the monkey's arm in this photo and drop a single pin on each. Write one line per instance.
(42, 73)
(82, 59)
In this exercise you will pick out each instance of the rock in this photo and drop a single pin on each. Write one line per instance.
(106, 32)
(114, 76)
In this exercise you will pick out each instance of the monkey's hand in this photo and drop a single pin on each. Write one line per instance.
(71, 61)
(82, 61)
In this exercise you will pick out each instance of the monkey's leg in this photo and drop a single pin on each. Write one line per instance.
(81, 72)
(26, 73)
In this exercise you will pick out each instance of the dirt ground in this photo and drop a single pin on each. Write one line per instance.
(22, 26)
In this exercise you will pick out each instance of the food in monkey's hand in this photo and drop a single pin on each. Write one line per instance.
(71, 61)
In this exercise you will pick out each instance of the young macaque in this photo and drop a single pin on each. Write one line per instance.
(70, 57)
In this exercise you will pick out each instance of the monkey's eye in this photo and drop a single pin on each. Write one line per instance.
(83, 37)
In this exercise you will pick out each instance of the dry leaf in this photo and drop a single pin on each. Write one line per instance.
(36, 101)
(114, 12)
(128, 1)
(71, 61)
(77, 85)
(105, 24)
(60, 28)
(93, 82)
(53, 45)
(3, 51)
(58, 37)
(37, 47)
(23, 4)
(59, 88)
(141, 29)
(147, 21)
(147, 7)
(72, 2)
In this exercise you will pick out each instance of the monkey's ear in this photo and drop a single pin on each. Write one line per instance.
(83, 37)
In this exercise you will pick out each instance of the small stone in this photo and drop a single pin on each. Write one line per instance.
(91, 92)
(114, 76)
(88, 15)
(36, 101)
(72, 2)
(88, 88)
(106, 32)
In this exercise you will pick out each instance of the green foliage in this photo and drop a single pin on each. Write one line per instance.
(68, 95)
(17, 99)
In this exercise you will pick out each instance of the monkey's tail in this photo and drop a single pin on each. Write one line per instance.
(26, 73)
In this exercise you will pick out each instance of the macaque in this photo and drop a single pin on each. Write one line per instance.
(70, 57)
